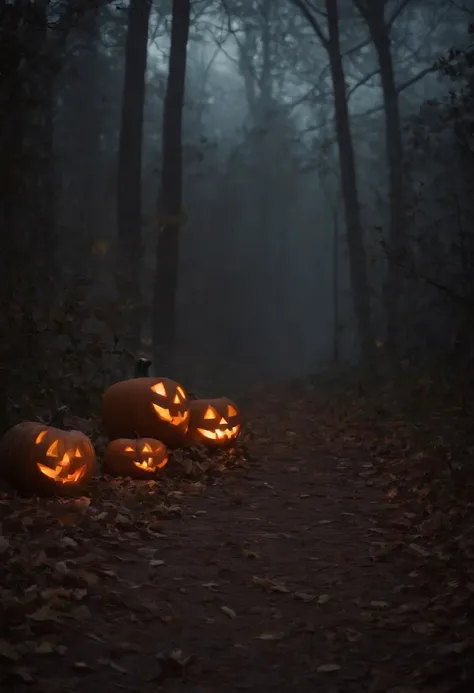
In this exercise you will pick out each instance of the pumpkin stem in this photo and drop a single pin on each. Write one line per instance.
(141, 368)
(57, 417)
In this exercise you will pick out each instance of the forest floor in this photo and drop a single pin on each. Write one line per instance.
(331, 558)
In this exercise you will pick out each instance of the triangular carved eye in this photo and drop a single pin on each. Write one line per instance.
(159, 389)
(181, 392)
(40, 437)
(129, 449)
(231, 411)
(147, 448)
(52, 451)
(210, 413)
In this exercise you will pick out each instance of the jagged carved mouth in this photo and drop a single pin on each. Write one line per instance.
(174, 419)
(219, 433)
(56, 473)
(150, 465)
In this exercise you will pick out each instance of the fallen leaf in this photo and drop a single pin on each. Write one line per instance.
(4, 544)
(81, 666)
(81, 613)
(271, 585)
(228, 611)
(44, 647)
(454, 648)
(9, 652)
(419, 550)
(424, 628)
(251, 554)
(326, 668)
(23, 673)
(45, 613)
(270, 636)
(305, 596)
(323, 598)
(95, 637)
(68, 542)
(117, 667)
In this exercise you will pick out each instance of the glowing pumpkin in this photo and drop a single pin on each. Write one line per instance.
(214, 422)
(146, 408)
(35, 458)
(139, 458)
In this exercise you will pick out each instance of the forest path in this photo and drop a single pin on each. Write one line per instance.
(279, 577)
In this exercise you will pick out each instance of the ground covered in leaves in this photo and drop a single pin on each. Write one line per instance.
(333, 552)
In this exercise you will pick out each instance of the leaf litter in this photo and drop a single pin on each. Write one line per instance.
(66, 551)
(75, 559)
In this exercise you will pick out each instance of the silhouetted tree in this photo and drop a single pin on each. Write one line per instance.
(129, 187)
(170, 214)
(354, 231)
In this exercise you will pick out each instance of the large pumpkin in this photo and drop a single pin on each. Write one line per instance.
(139, 458)
(214, 422)
(36, 458)
(146, 408)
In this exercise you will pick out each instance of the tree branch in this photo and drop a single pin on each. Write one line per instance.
(312, 21)
(380, 107)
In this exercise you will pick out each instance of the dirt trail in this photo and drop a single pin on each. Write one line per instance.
(276, 578)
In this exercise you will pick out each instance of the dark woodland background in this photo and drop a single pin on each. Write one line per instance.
(314, 213)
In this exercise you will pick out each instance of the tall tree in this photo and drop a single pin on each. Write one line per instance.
(170, 214)
(349, 189)
(129, 184)
(373, 12)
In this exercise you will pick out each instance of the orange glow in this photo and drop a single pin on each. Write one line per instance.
(219, 434)
(166, 415)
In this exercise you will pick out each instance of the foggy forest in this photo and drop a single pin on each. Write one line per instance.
(268, 200)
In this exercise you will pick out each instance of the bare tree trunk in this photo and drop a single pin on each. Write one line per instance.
(373, 13)
(129, 184)
(350, 195)
(37, 219)
(355, 236)
(11, 135)
(91, 131)
(335, 281)
(170, 199)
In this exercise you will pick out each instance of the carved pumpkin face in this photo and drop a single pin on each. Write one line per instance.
(169, 399)
(214, 422)
(60, 461)
(39, 458)
(139, 458)
(146, 407)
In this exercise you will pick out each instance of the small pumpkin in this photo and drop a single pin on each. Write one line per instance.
(36, 458)
(139, 458)
(214, 422)
(146, 408)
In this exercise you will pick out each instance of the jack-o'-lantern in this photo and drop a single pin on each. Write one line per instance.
(146, 408)
(214, 422)
(36, 458)
(139, 458)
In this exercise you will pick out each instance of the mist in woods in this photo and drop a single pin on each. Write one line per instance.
(243, 191)
(272, 201)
